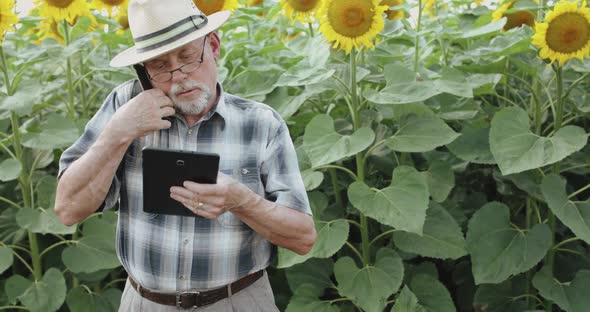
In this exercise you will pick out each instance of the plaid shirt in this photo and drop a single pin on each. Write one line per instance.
(170, 253)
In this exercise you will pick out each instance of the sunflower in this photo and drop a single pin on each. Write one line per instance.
(515, 19)
(211, 6)
(253, 3)
(430, 4)
(351, 23)
(123, 20)
(109, 5)
(301, 10)
(48, 28)
(7, 17)
(565, 33)
(393, 14)
(477, 2)
(63, 9)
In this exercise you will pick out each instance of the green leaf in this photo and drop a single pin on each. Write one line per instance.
(90, 254)
(46, 295)
(498, 249)
(441, 180)
(485, 30)
(324, 145)
(501, 297)
(432, 294)
(421, 134)
(15, 286)
(42, 221)
(575, 215)
(517, 149)
(402, 205)
(571, 297)
(79, 300)
(370, 286)
(6, 258)
(313, 271)
(305, 298)
(332, 235)
(23, 100)
(474, 144)
(45, 190)
(113, 296)
(442, 237)
(312, 179)
(303, 76)
(407, 302)
(57, 132)
(10, 169)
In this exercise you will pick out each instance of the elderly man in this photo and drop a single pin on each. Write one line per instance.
(213, 260)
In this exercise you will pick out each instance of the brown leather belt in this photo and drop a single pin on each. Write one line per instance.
(192, 299)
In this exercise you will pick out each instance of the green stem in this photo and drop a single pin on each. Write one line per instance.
(82, 89)
(5, 72)
(566, 241)
(336, 187)
(579, 191)
(559, 109)
(359, 156)
(352, 174)
(14, 307)
(10, 202)
(69, 74)
(382, 235)
(354, 250)
(119, 280)
(417, 39)
(311, 34)
(56, 245)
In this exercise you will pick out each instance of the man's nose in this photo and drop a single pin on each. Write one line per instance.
(178, 75)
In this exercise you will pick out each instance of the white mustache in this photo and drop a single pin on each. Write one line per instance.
(180, 87)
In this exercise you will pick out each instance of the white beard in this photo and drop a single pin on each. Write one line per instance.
(190, 107)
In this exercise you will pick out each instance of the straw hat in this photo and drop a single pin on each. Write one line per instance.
(161, 26)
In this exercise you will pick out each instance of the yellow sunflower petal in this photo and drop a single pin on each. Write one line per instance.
(301, 10)
(564, 34)
(7, 17)
(514, 19)
(393, 14)
(209, 7)
(110, 5)
(351, 23)
(63, 9)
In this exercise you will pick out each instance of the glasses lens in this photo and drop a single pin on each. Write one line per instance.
(162, 77)
(190, 67)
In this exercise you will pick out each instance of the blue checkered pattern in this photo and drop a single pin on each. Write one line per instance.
(170, 253)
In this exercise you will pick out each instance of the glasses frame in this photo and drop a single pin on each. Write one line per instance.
(181, 69)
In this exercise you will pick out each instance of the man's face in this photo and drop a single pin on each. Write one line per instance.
(191, 92)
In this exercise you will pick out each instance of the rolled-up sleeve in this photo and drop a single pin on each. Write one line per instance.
(91, 133)
(284, 184)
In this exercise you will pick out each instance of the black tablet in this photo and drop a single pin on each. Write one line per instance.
(164, 168)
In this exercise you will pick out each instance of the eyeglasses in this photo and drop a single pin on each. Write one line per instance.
(187, 68)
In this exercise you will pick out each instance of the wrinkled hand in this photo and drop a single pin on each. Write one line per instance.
(142, 114)
(212, 200)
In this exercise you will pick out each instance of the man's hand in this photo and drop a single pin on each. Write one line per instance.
(212, 200)
(141, 115)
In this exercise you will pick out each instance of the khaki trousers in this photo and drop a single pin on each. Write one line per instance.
(254, 298)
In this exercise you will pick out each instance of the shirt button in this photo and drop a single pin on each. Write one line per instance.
(190, 131)
(182, 277)
(185, 241)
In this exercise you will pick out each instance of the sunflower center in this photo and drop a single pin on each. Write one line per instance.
(303, 5)
(518, 19)
(209, 6)
(112, 2)
(62, 4)
(351, 18)
(568, 32)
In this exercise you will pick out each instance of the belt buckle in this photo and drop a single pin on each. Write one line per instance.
(182, 294)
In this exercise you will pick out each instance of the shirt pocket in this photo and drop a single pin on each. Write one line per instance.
(250, 177)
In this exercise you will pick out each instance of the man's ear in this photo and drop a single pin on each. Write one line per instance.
(215, 44)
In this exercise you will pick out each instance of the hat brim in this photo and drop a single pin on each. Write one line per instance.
(131, 56)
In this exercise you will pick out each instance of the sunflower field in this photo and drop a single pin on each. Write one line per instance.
(443, 145)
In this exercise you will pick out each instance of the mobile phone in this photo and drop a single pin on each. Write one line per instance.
(144, 79)
(146, 84)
